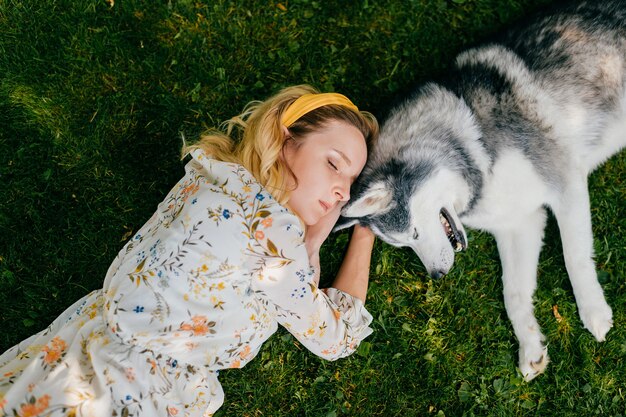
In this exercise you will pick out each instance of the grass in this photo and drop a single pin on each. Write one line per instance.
(94, 95)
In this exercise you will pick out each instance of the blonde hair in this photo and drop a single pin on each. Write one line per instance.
(255, 138)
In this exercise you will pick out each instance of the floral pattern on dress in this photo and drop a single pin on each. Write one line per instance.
(197, 289)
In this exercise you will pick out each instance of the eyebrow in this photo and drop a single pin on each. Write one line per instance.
(348, 161)
(343, 155)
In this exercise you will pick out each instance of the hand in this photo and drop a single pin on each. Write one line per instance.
(316, 234)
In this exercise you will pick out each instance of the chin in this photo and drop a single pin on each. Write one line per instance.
(311, 219)
(307, 217)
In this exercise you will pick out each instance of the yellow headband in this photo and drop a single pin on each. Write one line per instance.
(310, 102)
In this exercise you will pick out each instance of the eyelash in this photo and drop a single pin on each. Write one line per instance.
(332, 165)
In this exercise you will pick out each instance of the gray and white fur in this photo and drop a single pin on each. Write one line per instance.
(516, 129)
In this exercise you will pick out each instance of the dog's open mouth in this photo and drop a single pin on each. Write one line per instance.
(449, 227)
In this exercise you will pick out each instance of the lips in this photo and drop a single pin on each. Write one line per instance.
(456, 238)
(324, 205)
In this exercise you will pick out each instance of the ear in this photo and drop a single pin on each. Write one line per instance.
(285, 131)
(344, 223)
(376, 199)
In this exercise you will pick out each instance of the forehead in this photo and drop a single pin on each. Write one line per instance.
(340, 134)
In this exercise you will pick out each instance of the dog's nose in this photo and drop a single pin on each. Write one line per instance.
(437, 274)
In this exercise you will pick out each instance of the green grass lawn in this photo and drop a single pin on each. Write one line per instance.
(94, 96)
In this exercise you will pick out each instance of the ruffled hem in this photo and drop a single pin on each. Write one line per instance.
(354, 315)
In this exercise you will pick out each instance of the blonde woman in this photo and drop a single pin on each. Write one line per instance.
(230, 253)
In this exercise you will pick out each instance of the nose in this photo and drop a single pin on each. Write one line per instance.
(436, 274)
(342, 195)
(342, 191)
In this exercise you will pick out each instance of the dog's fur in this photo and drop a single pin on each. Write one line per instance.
(517, 128)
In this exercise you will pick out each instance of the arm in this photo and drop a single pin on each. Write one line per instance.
(330, 323)
(353, 275)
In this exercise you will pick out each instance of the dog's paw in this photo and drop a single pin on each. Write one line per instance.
(533, 362)
(597, 318)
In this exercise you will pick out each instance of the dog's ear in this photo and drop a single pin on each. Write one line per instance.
(344, 223)
(376, 199)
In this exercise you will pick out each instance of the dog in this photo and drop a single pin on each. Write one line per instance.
(514, 130)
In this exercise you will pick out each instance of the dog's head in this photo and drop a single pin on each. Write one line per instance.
(416, 182)
(415, 207)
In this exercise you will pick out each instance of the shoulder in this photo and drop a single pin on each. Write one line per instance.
(216, 171)
(259, 209)
(227, 178)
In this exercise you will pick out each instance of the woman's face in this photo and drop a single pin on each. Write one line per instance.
(325, 163)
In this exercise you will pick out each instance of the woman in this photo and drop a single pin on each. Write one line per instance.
(230, 253)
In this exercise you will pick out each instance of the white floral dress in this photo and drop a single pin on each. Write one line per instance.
(199, 288)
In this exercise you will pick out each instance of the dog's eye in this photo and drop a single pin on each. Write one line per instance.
(415, 234)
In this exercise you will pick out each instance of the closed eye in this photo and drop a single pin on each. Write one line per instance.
(333, 166)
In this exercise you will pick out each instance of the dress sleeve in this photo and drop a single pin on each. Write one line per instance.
(330, 322)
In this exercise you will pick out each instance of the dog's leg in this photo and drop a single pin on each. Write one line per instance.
(519, 250)
(574, 218)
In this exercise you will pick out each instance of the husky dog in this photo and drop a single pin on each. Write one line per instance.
(516, 128)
